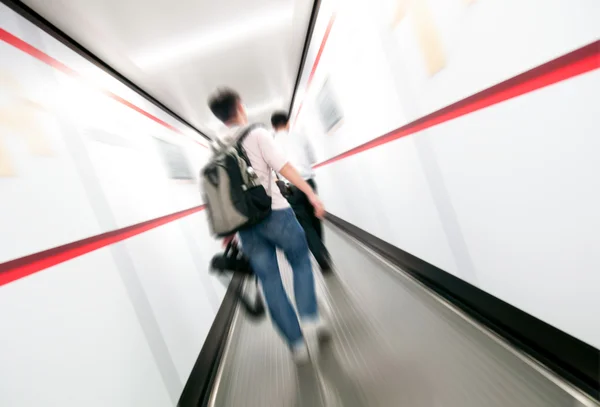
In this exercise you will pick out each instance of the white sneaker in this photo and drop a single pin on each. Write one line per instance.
(300, 354)
(323, 330)
(313, 332)
(323, 306)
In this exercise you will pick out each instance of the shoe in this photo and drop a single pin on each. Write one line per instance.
(312, 341)
(322, 324)
(300, 354)
(315, 332)
(323, 307)
(323, 330)
(326, 267)
(326, 270)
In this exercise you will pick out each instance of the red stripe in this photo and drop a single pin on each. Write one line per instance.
(56, 64)
(583, 60)
(317, 59)
(25, 266)
(580, 61)
(321, 48)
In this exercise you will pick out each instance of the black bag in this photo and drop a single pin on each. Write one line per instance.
(284, 188)
(231, 261)
(254, 307)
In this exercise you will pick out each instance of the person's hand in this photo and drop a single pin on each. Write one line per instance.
(317, 205)
(228, 240)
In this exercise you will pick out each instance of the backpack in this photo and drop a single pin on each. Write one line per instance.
(234, 197)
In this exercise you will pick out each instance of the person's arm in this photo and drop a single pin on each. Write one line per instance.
(278, 162)
(292, 175)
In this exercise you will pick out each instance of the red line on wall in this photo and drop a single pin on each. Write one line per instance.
(25, 266)
(56, 64)
(321, 48)
(317, 59)
(575, 63)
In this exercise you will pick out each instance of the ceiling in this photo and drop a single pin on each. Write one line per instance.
(179, 51)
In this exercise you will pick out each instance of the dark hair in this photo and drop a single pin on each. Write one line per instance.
(223, 103)
(279, 119)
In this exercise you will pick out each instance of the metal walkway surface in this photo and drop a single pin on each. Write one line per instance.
(394, 344)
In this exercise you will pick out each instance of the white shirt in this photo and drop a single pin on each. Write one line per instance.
(265, 157)
(296, 146)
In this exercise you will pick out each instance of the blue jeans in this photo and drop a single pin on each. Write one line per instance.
(282, 230)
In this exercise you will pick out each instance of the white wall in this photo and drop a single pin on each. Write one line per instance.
(503, 198)
(122, 325)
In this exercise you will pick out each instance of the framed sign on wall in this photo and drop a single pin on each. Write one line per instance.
(176, 162)
(330, 112)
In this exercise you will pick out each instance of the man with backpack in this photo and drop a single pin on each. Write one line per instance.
(242, 197)
(298, 149)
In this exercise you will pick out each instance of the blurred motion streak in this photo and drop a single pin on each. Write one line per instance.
(48, 60)
(316, 63)
(248, 29)
(580, 61)
(24, 266)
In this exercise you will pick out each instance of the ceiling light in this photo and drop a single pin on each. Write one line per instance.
(258, 109)
(222, 37)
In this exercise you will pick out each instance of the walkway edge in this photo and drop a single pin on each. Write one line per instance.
(199, 385)
(571, 359)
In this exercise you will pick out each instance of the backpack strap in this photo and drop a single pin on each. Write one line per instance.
(246, 131)
(277, 176)
(240, 139)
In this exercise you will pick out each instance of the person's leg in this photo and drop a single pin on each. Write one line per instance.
(304, 217)
(305, 214)
(316, 222)
(263, 258)
(292, 240)
(315, 244)
(287, 234)
(325, 262)
(315, 237)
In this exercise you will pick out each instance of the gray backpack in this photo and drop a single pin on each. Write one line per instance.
(234, 197)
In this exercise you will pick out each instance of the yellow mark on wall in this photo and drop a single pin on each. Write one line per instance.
(6, 168)
(19, 115)
(428, 36)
